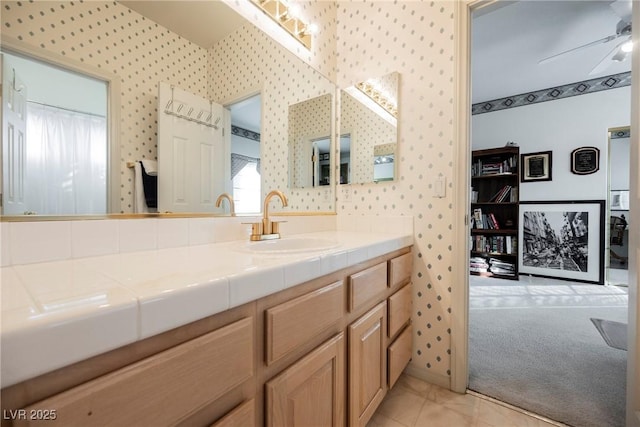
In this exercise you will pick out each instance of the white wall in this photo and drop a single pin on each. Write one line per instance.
(561, 126)
(245, 147)
(619, 155)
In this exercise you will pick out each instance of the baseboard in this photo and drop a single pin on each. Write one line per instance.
(437, 379)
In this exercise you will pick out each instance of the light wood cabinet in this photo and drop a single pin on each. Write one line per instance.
(400, 305)
(311, 392)
(367, 364)
(290, 324)
(400, 354)
(367, 284)
(323, 353)
(242, 416)
(161, 389)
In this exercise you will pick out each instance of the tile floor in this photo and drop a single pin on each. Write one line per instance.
(413, 402)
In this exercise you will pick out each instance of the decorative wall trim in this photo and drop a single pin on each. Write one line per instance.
(245, 133)
(613, 81)
(621, 134)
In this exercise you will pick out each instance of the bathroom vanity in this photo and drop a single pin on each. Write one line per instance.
(322, 351)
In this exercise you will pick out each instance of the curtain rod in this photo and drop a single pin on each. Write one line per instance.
(67, 109)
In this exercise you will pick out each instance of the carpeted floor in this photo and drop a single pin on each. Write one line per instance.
(532, 344)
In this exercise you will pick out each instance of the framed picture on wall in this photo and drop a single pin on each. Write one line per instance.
(562, 239)
(535, 166)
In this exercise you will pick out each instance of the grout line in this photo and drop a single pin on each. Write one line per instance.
(515, 408)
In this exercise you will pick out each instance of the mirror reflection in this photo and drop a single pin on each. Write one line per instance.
(54, 140)
(309, 135)
(205, 49)
(369, 130)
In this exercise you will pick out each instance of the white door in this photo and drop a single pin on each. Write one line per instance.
(190, 151)
(14, 108)
(316, 165)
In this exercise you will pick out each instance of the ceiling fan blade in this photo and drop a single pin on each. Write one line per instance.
(584, 46)
(622, 8)
(606, 61)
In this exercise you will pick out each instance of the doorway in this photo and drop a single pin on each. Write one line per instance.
(245, 128)
(618, 206)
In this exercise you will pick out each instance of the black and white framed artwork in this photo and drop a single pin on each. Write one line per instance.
(562, 239)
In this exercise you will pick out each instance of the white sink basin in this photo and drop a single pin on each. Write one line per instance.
(289, 245)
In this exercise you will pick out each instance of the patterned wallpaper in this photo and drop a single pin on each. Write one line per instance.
(416, 39)
(372, 38)
(111, 37)
(367, 129)
(249, 60)
(308, 120)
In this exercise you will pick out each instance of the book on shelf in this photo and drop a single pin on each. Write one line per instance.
(504, 268)
(502, 194)
(494, 166)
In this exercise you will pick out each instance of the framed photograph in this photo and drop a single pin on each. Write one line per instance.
(562, 239)
(535, 166)
(619, 200)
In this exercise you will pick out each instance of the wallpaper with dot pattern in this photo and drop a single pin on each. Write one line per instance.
(308, 120)
(367, 129)
(112, 37)
(249, 60)
(415, 38)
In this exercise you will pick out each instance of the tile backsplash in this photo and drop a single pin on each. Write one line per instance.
(45, 241)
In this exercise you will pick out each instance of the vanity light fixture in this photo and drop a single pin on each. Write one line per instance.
(379, 98)
(627, 47)
(288, 17)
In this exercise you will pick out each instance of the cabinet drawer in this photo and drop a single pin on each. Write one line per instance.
(161, 389)
(399, 310)
(295, 322)
(399, 354)
(400, 269)
(367, 284)
(243, 415)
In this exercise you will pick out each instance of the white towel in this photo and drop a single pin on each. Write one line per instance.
(150, 167)
(139, 202)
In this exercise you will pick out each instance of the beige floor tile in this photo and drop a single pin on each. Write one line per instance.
(436, 415)
(379, 420)
(401, 405)
(498, 415)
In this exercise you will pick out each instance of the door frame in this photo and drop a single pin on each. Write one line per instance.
(462, 150)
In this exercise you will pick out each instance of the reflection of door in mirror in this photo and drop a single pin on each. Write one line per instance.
(309, 132)
(54, 140)
(190, 151)
(245, 154)
(345, 158)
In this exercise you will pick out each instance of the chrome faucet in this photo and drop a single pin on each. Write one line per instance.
(232, 209)
(268, 229)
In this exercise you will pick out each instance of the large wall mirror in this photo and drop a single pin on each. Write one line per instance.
(369, 130)
(204, 48)
(310, 145)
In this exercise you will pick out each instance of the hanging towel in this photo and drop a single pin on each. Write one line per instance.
(150, 185)
(139, 203)
(150, 167)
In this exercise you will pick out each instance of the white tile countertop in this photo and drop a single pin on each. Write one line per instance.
(58, 313)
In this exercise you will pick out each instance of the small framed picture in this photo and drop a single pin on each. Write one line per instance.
(535, 166)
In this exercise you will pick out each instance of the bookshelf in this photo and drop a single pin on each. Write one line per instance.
(494, 212)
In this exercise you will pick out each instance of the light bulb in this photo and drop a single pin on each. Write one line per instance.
(294, 11)
(312, 28)
(627, 47)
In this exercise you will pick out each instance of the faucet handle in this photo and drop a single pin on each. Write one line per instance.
(275, 226)
(256, 229)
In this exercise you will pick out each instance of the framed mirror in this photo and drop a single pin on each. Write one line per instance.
(369, 130)
(309, 136)
(204, 48)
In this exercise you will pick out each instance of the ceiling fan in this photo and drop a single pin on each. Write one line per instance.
(620, 51)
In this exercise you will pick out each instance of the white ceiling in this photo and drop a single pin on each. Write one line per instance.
(509, 39)
(202, 22)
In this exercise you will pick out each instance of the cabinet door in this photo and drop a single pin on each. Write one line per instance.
(367, 364)
(310, 392)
